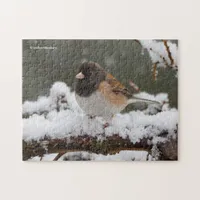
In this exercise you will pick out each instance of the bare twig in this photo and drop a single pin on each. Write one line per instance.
(59, 155)
(168, 52)
(155, 71)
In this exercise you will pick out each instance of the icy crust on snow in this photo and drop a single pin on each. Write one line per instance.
(84, 155)
(59, 116)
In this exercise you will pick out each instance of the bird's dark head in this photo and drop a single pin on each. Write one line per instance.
(89, 76)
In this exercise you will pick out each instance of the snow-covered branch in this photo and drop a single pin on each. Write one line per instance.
(56, 124)
(164, 147)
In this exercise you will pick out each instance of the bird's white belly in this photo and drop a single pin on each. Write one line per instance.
(97, 105)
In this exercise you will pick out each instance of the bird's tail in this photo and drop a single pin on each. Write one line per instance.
(135, 99)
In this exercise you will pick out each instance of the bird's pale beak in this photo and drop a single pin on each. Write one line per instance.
(80, 75)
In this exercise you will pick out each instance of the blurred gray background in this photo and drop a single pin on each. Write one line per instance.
(122, 58)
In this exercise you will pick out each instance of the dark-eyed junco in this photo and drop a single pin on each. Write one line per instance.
(98, 93)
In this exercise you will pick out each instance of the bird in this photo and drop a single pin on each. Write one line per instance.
(99, 93)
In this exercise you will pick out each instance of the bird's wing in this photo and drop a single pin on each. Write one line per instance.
(117, 87)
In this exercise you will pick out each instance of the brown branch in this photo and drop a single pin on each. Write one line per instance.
(109, 145)
(155, 71)
(139, 43)
(168, 52)
(59, 155)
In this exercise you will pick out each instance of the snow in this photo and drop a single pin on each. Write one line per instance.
(49, 157)
(36, 158)
(41, 105)
(46, 157)
(60, 91)
(64, 118)
(136, 125)
(125, 156)
(121, 156)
